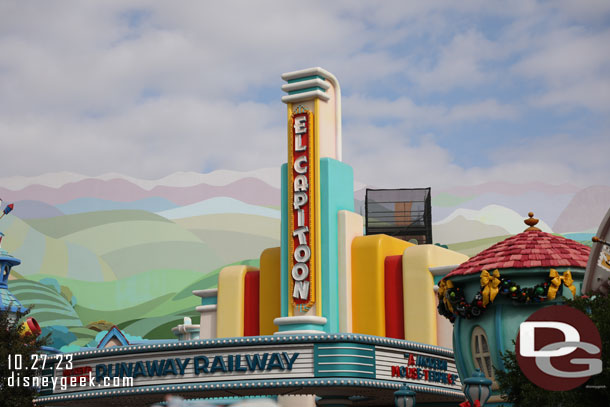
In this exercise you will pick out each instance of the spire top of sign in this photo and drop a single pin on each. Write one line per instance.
(317, 84)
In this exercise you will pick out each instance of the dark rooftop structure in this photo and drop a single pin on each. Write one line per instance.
(402, 213)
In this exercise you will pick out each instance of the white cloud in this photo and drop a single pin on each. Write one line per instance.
(148, 88)
(593, 94)
(586, 11)
(572, 66)
(585, 157)
(150, 140)
(489, 109)
(360, 108)
(460, 64)
(562, 159)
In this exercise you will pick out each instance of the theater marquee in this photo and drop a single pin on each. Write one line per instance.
(167, 367)
(296, 364)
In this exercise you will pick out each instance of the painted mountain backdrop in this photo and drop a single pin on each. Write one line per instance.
(119, 250)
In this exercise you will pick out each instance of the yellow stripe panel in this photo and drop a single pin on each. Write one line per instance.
(230, 311)
(270, 290)
(418, 288)
(350, 226)
(288, 186)
(368, 277)
(289, 171)
(317, 208)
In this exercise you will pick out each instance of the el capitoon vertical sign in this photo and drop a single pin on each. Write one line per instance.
(301, 202)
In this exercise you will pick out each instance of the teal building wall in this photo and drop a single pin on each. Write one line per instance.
(336, 193)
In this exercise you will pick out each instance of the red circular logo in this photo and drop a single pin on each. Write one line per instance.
(558, 348)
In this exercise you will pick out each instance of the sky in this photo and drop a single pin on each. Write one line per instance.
(435, 93)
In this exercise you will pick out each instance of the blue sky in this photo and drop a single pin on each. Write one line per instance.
(435, 93)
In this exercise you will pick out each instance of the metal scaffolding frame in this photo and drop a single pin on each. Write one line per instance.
(404, 213)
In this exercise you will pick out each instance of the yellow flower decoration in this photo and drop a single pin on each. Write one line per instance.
(442, 290)
(556, 281)
(490, 284)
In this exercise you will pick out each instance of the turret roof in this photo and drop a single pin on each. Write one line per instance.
(529, 249)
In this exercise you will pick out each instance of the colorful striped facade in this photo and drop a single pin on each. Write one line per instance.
(382, 286)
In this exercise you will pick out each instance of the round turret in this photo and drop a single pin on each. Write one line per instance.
(488, 296)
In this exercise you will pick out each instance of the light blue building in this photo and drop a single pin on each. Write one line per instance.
(491, 294)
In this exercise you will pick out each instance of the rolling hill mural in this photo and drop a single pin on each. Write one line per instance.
(115, 250)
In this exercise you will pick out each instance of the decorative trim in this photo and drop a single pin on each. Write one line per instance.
(206, 308)
(303, 331)
(305, 73)
(339, 358)
(208, 297)
(306, 78)
(301, 97)
(114, 332)
(306, 83)
(241, 385)
(185, 329)
(298, 91)
(452, 302)
(212, 292)
(262, 340)
(322, 73)
(303, 319)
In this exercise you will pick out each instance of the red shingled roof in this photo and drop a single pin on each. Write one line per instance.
(532, 248)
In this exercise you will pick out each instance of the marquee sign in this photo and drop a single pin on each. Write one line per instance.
(417, 367)
(426, 368)
(303, 364)
(191, 366)
(301, 200)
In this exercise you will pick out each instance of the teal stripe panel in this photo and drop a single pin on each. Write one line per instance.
(306, 78)
(209, 300)
(284, 243)
(499, 337)
(344, 359)
(296, 92)
(337, 193)
(347, 350)
(305, 327)
(366, 365)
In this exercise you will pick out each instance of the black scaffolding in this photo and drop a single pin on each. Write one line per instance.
(402, 213)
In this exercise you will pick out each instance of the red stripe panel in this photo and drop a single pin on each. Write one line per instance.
(394, 311)
(251, 300)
